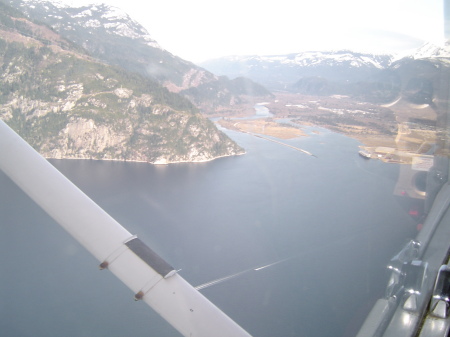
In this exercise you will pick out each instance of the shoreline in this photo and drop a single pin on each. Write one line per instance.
(148, 162)
(375, 144)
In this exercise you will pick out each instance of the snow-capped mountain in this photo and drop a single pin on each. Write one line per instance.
(280, 71)
(65, 17)
(109, 34)
(317, 69)
(430, 50)
(368, 77)
(427, 51)
(318, 58)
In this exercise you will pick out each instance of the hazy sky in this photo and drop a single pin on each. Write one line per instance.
(197, 30)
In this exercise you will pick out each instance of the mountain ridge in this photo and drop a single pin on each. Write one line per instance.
(68, 105)
(363, 76)
(109, 34)
(280, 72)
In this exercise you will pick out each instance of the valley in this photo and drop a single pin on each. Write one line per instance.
(369, 123)
(390, 132)
(393, 104)
(163, 103)
(139, 129)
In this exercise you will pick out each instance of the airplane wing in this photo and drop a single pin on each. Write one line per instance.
(150, 278)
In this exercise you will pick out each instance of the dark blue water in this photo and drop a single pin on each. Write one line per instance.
(329, 223)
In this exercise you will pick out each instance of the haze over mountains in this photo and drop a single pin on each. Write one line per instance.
(327, 72)
(109, 34)
(90, 82)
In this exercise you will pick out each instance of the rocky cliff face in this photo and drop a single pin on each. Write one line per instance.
(67, 105)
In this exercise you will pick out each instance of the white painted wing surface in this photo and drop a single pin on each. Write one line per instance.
(150, 278)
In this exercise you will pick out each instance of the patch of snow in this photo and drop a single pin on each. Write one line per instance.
(311, 58)
(122, 29)
(92, 23)
(72, 3)
(371, 61)
(115, 13)
(428, 50)
(273, 58)
(83, 14)
(150, 42)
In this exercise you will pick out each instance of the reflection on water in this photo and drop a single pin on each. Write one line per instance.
(261, 111)
(323, 229)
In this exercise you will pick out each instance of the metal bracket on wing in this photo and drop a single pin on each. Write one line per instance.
(135, 264)
(148, 256)
(144, 252)
(146, 288)
(115, 254)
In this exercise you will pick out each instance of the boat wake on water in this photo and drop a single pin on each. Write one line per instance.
(229, 277)
(328, 247)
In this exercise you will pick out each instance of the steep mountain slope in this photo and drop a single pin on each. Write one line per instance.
(67, 105)
(109, 34)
